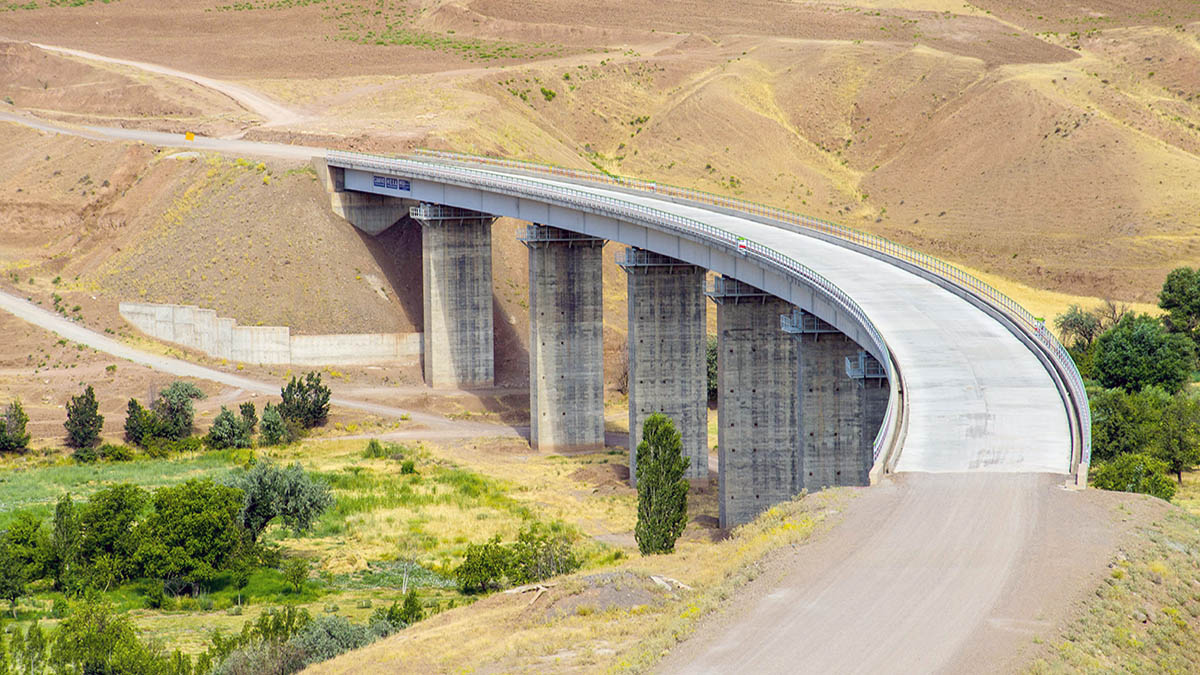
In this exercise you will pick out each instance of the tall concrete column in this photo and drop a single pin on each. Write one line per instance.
(566, 346)
(757, 402)
(843, 397)
(668, 371)
(456, 266)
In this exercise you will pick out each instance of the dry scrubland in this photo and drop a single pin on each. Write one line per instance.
(1052, 149)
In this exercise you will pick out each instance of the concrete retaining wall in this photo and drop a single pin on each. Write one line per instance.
(223, 338)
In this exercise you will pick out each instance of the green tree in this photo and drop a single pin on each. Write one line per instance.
(27, 542)
(228, 431)
(107, 526)
(411, 612)
(1122, 422)
(191, 533)
(13, 437)
(1180, 296)
(1178, 437)
(84, 420)
(94, 638)
(272, 492)
(295, 572)
(249, 416)
(1139, 352)
(305, 401)
(661, 486)
(485, 566)
(1078, 327)
(141, 425)
(274, 430)
(540, 552)
(1134, 472)
(175, 409)
(711, 357)
(12, 578)
(63, 562)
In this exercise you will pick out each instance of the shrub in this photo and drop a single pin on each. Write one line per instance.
(295, 572)
(116, 453)
(140, 424)
(13, 437)
(228, 431)
(305, 401)
(175, 410)
(661, 486)
(548, 94)
(485, 567)
(274, 431)
(329, 636)
(85, 455)
(541, 552)
(408, 466)
(249, 417)
(270, 492)
(258, 658)
(1134, 473)
(374, 450)
(84, 421)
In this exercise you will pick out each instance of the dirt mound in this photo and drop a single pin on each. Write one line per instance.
(603, 592)
(604, 478)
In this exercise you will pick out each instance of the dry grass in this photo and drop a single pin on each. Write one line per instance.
(507, 633)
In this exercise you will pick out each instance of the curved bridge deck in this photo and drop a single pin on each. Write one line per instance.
(978, 398)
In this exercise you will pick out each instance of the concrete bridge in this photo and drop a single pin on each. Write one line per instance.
(842, 355)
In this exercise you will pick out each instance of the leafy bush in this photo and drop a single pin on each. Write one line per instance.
(175, 410)
(260, 658)
(228, 431)
(661, 486)
(1139, 352)
(305, 401)
(85, 455)
(274, 430)
(329, 636)
(115, 453)
(1134, 473)
(374, 450)
(84, 420)
(485, 567)
(192, 532)
(289, 493)
(159, 448)
(141, 424)
(408, 466)
(13, 437)
(541, 552)
(295, 572)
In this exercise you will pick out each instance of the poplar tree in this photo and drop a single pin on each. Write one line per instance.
(662, 488)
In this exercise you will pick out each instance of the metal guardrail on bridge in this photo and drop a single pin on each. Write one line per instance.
(1030, 325)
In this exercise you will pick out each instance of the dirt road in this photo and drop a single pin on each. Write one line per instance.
(273, 113)
(438, 426)
(929, 573)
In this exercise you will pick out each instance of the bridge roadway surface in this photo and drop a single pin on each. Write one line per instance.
(914, 580)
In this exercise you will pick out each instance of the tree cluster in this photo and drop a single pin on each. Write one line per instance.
(1145, 420)
(182, 535)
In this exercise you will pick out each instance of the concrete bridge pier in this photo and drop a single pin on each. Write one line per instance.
(456, 274)
(668, 370)
(843, 398)
(758, 406)
(566, 347)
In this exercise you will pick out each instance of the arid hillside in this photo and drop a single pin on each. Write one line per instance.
(1055, 147)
